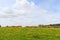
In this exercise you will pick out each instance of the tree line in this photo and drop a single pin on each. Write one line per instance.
(40, 26)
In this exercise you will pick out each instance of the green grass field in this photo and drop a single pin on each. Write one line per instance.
(29, 33)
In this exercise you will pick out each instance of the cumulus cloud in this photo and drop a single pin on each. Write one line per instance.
(23, 12)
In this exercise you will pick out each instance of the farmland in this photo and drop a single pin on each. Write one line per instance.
(12, 33)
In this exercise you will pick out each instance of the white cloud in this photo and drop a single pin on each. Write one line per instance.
(22, 12)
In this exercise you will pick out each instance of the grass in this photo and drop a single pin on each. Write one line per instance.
(29, 33)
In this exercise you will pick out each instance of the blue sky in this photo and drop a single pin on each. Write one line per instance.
(29, 12)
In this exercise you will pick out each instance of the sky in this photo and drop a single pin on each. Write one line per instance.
(29, 12)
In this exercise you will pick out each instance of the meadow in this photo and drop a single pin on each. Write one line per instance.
(11, 33)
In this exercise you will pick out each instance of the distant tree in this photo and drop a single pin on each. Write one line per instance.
(28, 26)
(0, 25)
(18, 26)
(41, 26)
(13, 26)
(7, 26)
(55, 25)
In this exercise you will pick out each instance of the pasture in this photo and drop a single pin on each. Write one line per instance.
(10, 33)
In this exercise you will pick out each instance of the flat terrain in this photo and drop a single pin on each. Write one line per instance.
(10, 33)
